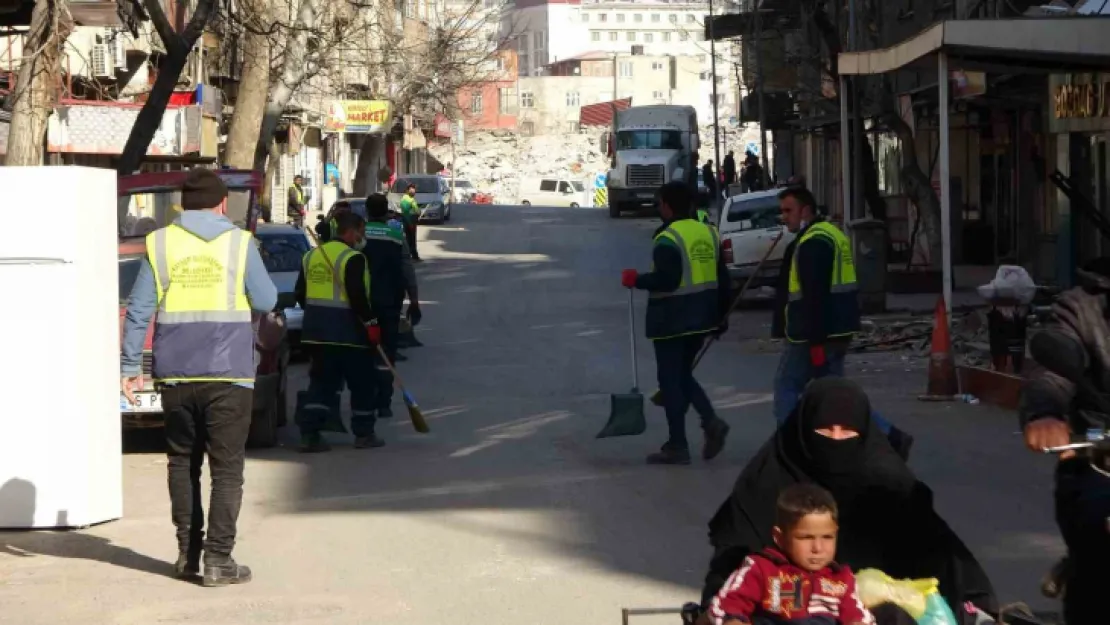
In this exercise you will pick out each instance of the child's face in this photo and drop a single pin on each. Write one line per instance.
(811, 543)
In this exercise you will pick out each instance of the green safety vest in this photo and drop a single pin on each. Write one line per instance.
(841, 314)
(703, 216)
(409, 208)
(692, 308)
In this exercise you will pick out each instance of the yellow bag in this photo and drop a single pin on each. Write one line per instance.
(920, 598)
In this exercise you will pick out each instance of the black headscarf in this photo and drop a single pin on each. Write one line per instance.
(887, 519)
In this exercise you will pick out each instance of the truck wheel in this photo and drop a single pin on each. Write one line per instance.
(574, 204)
(614, 211)
(525, 203)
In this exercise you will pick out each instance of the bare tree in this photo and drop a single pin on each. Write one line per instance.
(36, 86)
(250, 100)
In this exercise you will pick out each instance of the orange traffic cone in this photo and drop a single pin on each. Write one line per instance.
(942, 365)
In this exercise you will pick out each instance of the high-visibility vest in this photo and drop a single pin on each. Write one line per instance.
(299, 192)
(692, 308)
(328, 316)
(384, 232)
(409, 207)
(840, 317)
(203, 331)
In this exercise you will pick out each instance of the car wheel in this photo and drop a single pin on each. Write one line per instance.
(525, 203)
(574, 204)
(447, 215)
(614, 211)
(282, 398)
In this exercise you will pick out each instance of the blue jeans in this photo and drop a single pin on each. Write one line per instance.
(674, 364)
(795, 372)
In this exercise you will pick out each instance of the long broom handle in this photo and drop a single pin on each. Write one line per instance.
(739, 296)
(632, 338)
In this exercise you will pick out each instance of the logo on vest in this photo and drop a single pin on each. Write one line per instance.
(702, 252)
(319, 274)
(197, 272)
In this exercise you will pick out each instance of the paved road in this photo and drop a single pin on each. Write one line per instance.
(510, 512)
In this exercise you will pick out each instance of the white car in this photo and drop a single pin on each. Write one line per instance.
(282, 248)
(749, 223)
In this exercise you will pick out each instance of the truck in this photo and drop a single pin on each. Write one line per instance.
(648, 146)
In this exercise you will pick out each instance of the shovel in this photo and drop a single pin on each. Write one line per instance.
(626, 412)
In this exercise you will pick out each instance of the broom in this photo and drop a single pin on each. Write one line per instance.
(657, 396)
(415, 415)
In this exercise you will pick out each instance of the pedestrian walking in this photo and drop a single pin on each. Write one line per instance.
(753, 173)
(295, 209)
(729, 167)
(204, 277)
(341, 330)
(688, 298)
(410, 215)
(710, 182)
(392, 276)
(816, 307)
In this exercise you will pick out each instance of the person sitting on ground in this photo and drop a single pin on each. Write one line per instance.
(770, 587)
(887, 520)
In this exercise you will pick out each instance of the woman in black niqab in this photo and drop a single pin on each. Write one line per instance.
(887, 520)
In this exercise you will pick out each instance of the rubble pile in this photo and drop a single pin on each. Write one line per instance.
(970, 338)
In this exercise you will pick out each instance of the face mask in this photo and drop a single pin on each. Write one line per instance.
(360, 244)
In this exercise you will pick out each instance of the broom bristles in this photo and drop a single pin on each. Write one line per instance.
(415, 414)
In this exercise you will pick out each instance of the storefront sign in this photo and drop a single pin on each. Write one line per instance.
(1080, 103)
(359, 116)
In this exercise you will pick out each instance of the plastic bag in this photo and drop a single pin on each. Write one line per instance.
(918, 597)
(1010, 283)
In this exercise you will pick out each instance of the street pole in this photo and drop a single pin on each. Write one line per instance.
(857, 124)
(761, 100)
(716, 126)
(454, 139)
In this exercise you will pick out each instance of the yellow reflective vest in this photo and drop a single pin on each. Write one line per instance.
(328, 316)
(840, 314)
(692, 308)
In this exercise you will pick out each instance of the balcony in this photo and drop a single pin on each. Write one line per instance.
(85, 12)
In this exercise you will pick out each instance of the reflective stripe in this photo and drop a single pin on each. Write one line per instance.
(327, 303)
(201, 316)
(162, 264)
(233, 270)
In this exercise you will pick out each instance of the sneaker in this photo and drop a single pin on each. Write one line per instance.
(186, 567)
(224, 572)
(716, 432)
(313, 444)
(385, 413)
(669, 456)
(369, 442)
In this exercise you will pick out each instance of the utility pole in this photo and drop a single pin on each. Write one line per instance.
(716, 119)
(855, 211)
(761, 101)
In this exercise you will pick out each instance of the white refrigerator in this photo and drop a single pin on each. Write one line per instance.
(60, 437)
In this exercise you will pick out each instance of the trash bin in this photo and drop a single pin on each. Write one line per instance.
(869, 252)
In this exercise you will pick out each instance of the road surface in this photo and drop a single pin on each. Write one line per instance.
(510, 512)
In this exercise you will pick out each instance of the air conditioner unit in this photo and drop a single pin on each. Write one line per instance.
(100, 61)
(119, 50)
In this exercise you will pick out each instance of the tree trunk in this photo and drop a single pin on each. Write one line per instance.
(918, 187)
(294, 66)
(250, 102)
(36, 86)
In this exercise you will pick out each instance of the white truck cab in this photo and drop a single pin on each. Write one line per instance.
(649, 146)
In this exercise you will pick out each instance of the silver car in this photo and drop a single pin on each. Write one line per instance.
(283, 247)
(432, 196)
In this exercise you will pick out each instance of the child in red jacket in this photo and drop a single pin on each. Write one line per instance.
(798, 583)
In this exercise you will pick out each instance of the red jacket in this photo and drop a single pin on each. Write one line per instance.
(767, 588)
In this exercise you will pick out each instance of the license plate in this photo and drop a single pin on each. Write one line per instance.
(144, 402)
(646, 196)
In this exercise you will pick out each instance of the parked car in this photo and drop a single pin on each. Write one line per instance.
(464, 191)
(283, 247)
(432, 195)
(749, 222)
(269, 412)
(553, 192)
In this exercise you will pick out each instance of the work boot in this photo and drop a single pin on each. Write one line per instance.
(668, 455)
(186, 567)
(385, 413)
(224, 571)
(716, 431)
(369, 442)
(314, 444)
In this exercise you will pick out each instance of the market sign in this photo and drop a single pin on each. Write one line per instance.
(359, 116)
(1080, 103)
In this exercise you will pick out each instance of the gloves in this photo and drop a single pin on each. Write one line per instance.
(374, 333)
(818, 361)
(414, 315)
(628, 278)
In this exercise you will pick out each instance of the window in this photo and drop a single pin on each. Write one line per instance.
(666, 36)
(655, 18)
(658, 95)
(595, 35)
(280, 252)
(649, 140)
(423, 184)
(603, 17)
(573, 98)
(476, 103)
(639, 17)
(704, 76)
(500, 63)
(630, 35)
(756, 214)
(506, 100)
(656, 65)
(620, 18)
(673, 18)
(684, 36)
(527, 100)
(690, 18)
(613, 35)
(549, 185)
(701, 58)
(585, 18)
(649, 37)
(564, 187)
(625, 69)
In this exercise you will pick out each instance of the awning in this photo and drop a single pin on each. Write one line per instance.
(1012, 46)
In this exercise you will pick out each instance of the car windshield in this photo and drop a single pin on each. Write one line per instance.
(282, 252)
(128, 273)
(649, 140)
(463, 184)
(755, 213)
(423, 185)
(578, 186)
(357, 207)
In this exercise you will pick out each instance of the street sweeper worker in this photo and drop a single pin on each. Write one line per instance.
(688, 299)
(384, 249)
(341, 331)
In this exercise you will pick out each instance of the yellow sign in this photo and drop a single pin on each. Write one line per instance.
(1082, 100)
(359, 116)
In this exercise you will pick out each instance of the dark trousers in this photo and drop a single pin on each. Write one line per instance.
(1083, 514)
(212, 418)
(383, 381)
(410, 235)
(332, 365)
(674, 365)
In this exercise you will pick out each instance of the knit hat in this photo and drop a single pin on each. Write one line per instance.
(202, 190)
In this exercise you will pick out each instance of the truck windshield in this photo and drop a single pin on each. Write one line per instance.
(649, 140)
